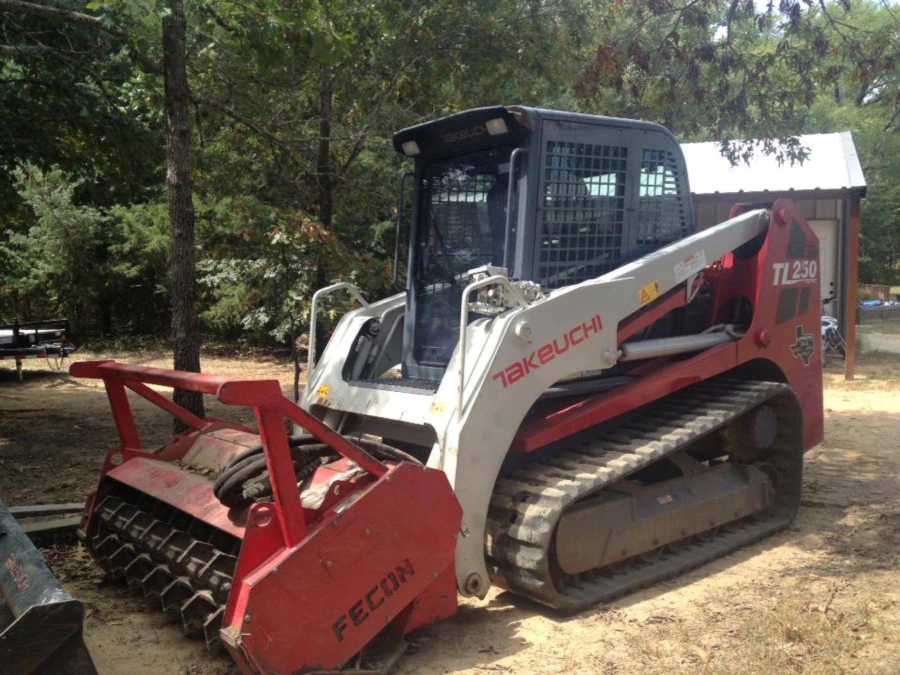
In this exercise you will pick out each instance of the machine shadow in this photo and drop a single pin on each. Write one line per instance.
(31, 376)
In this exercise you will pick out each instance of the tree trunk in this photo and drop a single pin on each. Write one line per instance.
(104, 309)
(324, 164)
(185, 328)
(325, 172)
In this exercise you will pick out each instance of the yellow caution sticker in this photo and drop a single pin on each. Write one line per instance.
(323, 391)
(649, 293)
(437, 408)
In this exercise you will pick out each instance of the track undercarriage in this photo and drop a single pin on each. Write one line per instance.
(680, 482)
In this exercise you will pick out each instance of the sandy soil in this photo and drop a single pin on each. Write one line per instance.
(822, 597)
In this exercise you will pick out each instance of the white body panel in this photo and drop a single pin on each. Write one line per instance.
(499, 388)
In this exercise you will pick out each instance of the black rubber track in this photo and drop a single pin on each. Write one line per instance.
(526, 506)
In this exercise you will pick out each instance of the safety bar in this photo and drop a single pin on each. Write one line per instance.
(205, 384)
(396, 275)
(463, 323)
(509, 204)
(313, 310)
(269, 405)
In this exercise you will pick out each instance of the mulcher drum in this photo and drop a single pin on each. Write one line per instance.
(169, 556)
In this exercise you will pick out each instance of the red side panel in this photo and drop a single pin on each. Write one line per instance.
(578, 416)
(319, 603)
(437, 602)
(787, 322)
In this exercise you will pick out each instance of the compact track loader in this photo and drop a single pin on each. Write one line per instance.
(577, 395)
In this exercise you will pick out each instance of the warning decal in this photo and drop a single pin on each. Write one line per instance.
(690, 266)
(649, 293)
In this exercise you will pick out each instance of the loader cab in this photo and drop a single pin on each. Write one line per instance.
(555, 197)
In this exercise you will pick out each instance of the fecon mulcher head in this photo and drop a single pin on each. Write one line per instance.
(576, 396)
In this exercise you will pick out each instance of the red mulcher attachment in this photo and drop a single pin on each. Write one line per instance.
(328, 576)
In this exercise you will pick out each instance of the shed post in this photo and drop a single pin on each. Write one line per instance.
(852, 274)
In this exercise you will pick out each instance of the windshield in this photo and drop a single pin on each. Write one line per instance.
(463, 226)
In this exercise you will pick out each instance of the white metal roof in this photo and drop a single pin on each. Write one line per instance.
(832, 165)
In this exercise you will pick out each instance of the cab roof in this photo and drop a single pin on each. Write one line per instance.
(471, 129)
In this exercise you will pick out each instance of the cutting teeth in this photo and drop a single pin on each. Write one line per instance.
(122, 516)
(139, 524)
(104, 546)
(137, 570)
(174, 546)
(176, 594)
(218, 574)
(169, 556)
(108, 508)
(121, 559)
(156, 581)
(195, 558)
(195, 612)
(155, 534)
(211, 628)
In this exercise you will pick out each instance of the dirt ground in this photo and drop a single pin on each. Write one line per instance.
(882, 341)
(821, 597)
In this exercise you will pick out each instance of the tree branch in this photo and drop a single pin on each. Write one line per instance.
(891, 122)
(80, 19)
(215, 16)
(732, 11)
(28, 50)
(237, 117)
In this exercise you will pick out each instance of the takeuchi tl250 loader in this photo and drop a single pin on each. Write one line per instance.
(576, 396)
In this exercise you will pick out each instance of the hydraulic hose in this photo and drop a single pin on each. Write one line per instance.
(245, 478)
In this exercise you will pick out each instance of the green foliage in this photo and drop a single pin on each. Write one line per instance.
(106, 269)
(861, 93)
(80, 103)
(54, 266)
(140, 281)
(879, 240)
(294, 103)
(264, 290)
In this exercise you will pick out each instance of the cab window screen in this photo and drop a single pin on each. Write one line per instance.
(661, 209)
(583, 212)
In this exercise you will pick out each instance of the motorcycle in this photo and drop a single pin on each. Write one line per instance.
(832, 340)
